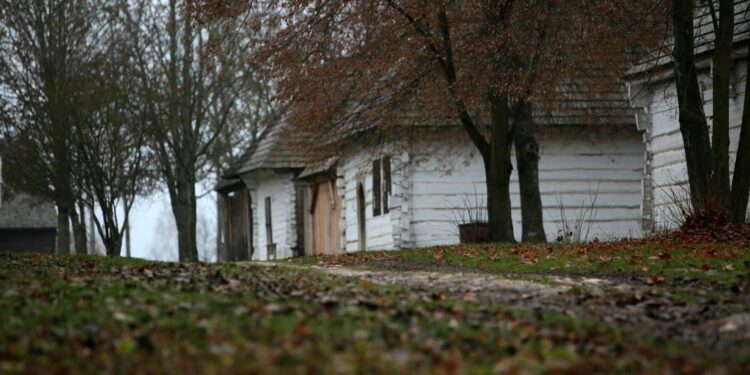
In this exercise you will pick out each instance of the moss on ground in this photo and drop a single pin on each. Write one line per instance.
(79, 314)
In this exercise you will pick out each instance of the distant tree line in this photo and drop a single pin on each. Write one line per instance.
(105, 100)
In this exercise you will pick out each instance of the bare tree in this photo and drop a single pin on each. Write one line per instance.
(110, 140)
(707, 152)
(77, 119)
(45, 49)
(190, 94)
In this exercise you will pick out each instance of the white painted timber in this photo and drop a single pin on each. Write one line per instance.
(378, 229)
(280, 188)
(603, 171)
(669, 171)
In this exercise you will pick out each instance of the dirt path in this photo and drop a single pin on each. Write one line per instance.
(698, 314)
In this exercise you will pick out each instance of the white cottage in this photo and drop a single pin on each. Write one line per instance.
(259, 205)
(418, 196)
(653, 93)
(415, 194)
(610, 168)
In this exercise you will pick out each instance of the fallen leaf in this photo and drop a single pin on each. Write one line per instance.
(654, 279)
(302, 330)
(469, 296)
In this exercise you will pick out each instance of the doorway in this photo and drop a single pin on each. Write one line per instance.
(238, 226)
(326, 213)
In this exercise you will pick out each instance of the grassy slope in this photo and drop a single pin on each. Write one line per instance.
(86, 314)
(727, 263)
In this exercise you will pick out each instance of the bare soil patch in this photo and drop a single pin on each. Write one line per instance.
(696, 313)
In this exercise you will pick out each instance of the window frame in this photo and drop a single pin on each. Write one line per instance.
(387, 183)
(376, 188)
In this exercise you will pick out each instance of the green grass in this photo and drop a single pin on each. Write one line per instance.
(718, 262)
(78, 314)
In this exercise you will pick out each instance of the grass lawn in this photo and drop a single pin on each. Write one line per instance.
(79, 314)
(726, 263)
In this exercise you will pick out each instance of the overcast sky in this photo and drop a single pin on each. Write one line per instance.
(154, 234)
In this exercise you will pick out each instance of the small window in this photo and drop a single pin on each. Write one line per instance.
(386, 183)
(376, 181)
(269, 227)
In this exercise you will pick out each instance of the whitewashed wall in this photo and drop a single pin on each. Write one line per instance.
(573, 170)
(379, 229)
(280, 188)
(668, 155)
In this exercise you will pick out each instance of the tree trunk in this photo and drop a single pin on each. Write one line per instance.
(693, 125)
(186, 238)
(722, 59)
(220, 216)
(527, 159)
(498, 170)
(741, 178)
(113, 243)
(127, 237)
(92, 233)
(109, 231)
(184, 209)
(63, 229)
(79, 229)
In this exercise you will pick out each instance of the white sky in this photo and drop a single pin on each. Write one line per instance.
(153, 233)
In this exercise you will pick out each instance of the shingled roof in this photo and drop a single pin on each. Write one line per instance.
(582, 103)
(704, 32)
(268, 152)
(705, 36)
(316, 168)
(26, 211)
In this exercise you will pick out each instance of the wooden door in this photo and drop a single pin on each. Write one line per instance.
(238, 226)
(326, 213)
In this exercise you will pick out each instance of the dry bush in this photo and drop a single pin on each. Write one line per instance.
(705, 224)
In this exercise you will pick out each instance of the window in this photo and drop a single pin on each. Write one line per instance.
(376, 188)
(386, 183)
(381, 185)
(269, 227)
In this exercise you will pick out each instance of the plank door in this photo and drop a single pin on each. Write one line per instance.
(326, 213)
(238, 225)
